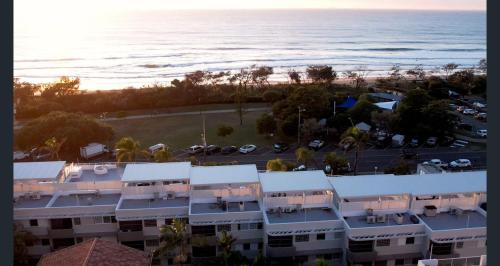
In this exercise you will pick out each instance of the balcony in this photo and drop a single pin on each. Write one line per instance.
(361, 256)
(61, 233)
(132, 209)
(225, 212)
(449, 226)
(309, 201)
(130, 236)
(277, 252)
(354, 208)
(359, 227)
(302, 220)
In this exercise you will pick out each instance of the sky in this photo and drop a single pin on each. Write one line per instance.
(26, 7)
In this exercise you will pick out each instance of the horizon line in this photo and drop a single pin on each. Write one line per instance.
(313, 8)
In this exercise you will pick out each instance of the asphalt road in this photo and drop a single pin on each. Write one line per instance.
(369, 159)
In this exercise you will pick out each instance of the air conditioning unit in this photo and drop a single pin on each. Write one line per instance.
(398, 218)
(380, 218)
(370, 219)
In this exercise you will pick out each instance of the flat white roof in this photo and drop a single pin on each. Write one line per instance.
(294, 181)
(156, 171)
(227, 174)
(426, 184)
(38, 170)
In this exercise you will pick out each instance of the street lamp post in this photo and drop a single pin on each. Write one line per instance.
(298, 134)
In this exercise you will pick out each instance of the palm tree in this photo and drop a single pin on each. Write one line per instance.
(162, 155)
(129, 149)
(226, 242)
(321, 262)
(353, 138)
(303, 155)
(54, 146)
(173, 236)
(22, 239)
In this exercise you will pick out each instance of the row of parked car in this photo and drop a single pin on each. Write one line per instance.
(212, 149)
(459, 163)
(482, 116)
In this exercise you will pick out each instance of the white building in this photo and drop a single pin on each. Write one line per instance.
(288, 216)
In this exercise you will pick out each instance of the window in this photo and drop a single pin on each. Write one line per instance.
(415, 260)
(246, 246)
(206, 230)
(254, 226)
(320, 236)
(77, 221)
(79, 240)
(224, 227)
(242, 226)
(400, 262)
(98, 219)
(130, 226)
(459, 245)
(410, 240)
(208, 251)
(337, 255)
(168, 221)
(62, 242)
(109, 219)
(280, 241)
(381, 263)
(150, 223)
(170, 261)
(383, 242)
(34, 222)
(152, 243)
(45, 242)
(301, 238)
(260, 246)
(64, 223)
(301, 259)
(361, 246)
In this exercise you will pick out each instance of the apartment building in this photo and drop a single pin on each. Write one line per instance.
(299, 216)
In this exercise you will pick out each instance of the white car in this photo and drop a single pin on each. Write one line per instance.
(21, 155)
(437, 162)
(316, 144)
(461, 163)
(247, 148)
(195, 149)
(469, 112)
(483, 133)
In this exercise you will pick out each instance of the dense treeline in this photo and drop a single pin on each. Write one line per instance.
(248, 85)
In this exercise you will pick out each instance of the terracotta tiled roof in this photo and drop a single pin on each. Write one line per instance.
(96, 252)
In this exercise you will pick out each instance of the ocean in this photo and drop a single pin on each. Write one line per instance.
(143, 48)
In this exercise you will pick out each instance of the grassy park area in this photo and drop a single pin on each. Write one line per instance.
(180, 132)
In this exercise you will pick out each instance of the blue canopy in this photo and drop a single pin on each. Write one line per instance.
(349, 102)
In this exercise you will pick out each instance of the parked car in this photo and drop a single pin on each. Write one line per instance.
(21, 155)
(447, 140)
(316, 144)
(460, 108)
(437, 162)
(38, 154)
(229, 149)
(280, 147)
(300, 168)
(483, 133)
(211, 149)
(480, 116)
(461, 163)
(431, 141)
(195, 149)
(156, 147)
(469, 111)
(414, 143)
(453, 106)
(247, 148)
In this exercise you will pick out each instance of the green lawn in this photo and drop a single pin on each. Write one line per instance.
(181, 132)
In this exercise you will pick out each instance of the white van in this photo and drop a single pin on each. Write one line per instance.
(156, 147)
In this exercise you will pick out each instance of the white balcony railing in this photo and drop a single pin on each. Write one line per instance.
(443, 204)
(181, 189)
(307, 201)
(357, 207)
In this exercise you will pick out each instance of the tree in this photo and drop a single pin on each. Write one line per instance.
(129, 149)
(315, 101)
(401, 167)
(22, 239)
(294, 76)
(162, 156)
(173, 237)
(357, 76)
(383, 119)
(449, 68)
(276, 165)
(463, 80)
(437, 120)
(224, 130)
(225, 242)
(260, 260)
(337, 163)
(266, 124)
(321, 262)
(324, 74)
(54, 146)
(303, 155)
(273, 95)
(353, 138)
(361, 111)
(261, 74)
(24, 91)
(482, 66)
(417, 72)
(63, 87)
(79, 130)
(243, 77)
(409, 111)
(395, 73)
(309, 128)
